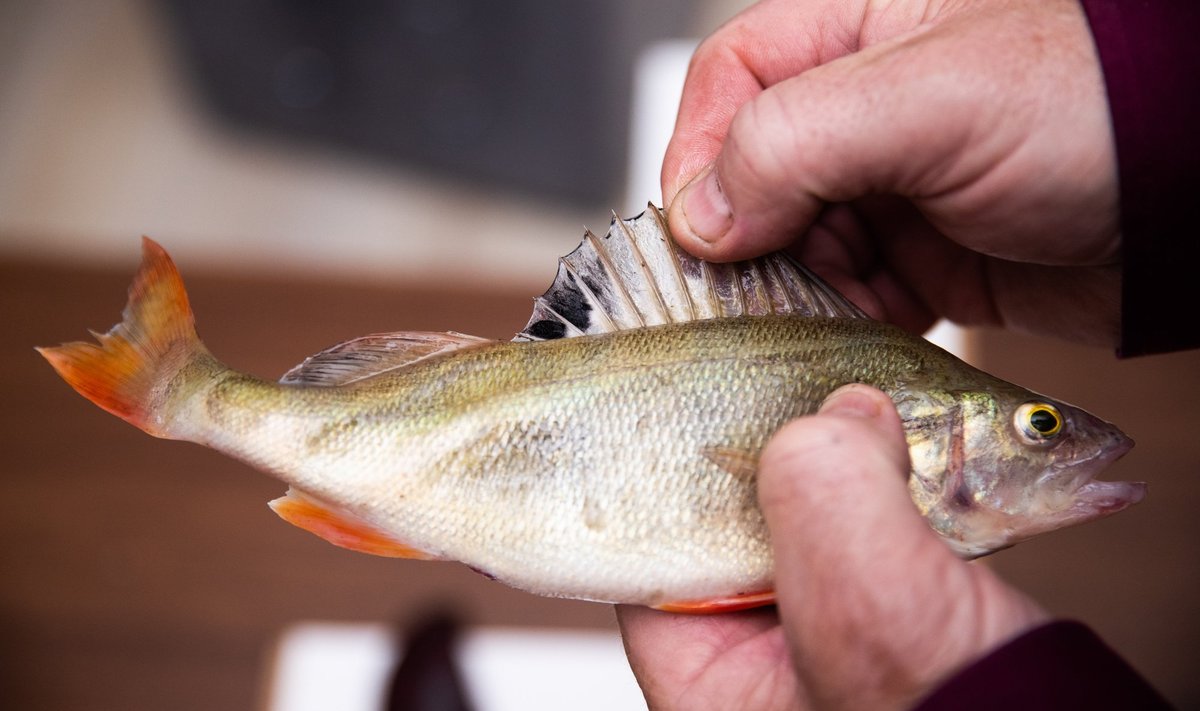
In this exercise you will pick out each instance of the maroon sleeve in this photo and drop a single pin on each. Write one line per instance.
(1062, 665)
(1150, 53)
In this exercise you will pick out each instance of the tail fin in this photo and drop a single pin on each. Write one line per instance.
(127, 373)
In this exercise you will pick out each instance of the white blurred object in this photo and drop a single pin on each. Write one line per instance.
(324, 665)
(657, 85)
(951, 338)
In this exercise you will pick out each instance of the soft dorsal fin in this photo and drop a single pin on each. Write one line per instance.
(635, 275)
(368, 356)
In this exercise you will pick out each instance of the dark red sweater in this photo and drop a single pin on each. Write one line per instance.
(1062, 665)
(1150, 55)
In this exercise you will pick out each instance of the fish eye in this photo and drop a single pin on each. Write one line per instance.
(1039, 421)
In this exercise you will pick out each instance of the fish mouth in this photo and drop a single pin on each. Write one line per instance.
(1108, 497)
(1066, 494)
(1092, 498)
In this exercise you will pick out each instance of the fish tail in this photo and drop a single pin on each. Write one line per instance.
(130, 369)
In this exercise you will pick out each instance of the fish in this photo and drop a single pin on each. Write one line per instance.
(608, 452)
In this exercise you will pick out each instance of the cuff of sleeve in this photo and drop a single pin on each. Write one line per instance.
(1059, 665)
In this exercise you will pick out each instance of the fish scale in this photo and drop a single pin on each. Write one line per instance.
(593, 456)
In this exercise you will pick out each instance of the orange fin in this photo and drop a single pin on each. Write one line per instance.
(733, 603)
(127, 370)
(340, 528)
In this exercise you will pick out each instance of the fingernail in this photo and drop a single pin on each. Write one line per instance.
(705, 208)
(852, 401)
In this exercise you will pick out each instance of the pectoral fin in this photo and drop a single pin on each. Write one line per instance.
(340, 528)
(739, 462)
(733, 603)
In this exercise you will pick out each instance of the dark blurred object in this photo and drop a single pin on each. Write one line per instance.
(531, 95)
(427, 678)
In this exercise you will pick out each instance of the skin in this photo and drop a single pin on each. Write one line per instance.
(930, 160)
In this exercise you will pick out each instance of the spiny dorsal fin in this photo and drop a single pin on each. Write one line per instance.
(636, 276)
(368, 356)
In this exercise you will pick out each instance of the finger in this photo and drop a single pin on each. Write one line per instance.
(843, 248)
(674, 656)
(829, 484)
(650, 636)
(1081, 304)
(653, 635)
(848, 545)
(922, 275)
(758, 48)
(836, 249)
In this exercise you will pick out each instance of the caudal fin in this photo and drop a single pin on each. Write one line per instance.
(127, 372)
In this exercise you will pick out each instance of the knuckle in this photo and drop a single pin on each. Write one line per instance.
(805, 452)
(813, 457)
(760, 140)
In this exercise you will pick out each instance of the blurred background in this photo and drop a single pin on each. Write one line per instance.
(325, 170)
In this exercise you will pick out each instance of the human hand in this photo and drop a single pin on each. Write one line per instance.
(933, 158)
(873, 608)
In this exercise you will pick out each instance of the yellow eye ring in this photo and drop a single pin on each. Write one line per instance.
(1039, 420)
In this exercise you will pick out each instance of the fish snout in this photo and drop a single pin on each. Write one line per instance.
(1094, 498)
(1119, 445)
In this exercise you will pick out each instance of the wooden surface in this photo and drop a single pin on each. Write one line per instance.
(146, 574)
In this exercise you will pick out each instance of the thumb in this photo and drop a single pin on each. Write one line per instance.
(833, 491)
(891, 118)
(852, 556)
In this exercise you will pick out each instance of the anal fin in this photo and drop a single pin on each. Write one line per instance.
(732, 603)
(340, 528)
